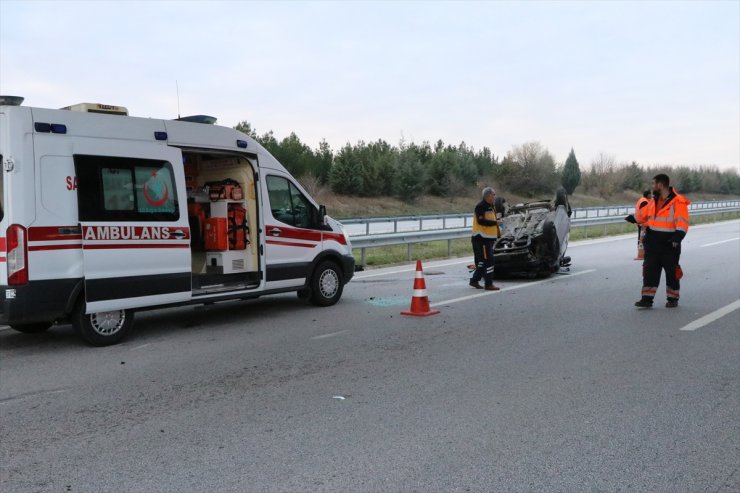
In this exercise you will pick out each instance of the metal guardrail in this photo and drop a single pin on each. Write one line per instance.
(452, 221)
(408, 238)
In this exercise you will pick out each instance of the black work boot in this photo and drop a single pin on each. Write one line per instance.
(671, 303)
(645, 302)
(475, 284)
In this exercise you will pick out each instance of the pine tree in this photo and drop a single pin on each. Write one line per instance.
(571, 173)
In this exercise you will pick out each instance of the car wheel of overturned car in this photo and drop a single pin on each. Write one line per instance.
(326, 284)
(102, 328)
(551, 239)
(499, 206)
(561, 197)
(32, 328)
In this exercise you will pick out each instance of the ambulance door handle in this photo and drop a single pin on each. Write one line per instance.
(275, 232)
(178, 234)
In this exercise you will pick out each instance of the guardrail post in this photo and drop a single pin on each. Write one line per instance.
(395, 225)
(362, 256)
(367, 228)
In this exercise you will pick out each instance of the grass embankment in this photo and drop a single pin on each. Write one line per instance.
(343, 206)
(435, 250)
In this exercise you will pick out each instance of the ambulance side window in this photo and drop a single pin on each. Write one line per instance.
(125, 189)
(288, 204)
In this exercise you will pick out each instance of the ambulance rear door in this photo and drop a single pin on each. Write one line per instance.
(134, 224)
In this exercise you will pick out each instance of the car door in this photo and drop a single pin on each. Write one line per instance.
(134, 225)
(293, 237)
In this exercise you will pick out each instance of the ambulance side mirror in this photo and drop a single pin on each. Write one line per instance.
(322, 214)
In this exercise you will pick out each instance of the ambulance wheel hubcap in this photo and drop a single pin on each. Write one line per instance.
(328, 283)
(107, 323)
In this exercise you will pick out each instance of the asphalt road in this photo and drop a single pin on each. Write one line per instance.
(555, 385)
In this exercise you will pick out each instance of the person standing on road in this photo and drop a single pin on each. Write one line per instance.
(485, 232)
(666, 222)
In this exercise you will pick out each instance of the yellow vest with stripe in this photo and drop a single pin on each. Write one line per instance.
(486, 231)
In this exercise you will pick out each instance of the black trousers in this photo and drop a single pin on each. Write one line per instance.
(657, 260)
(483, 255)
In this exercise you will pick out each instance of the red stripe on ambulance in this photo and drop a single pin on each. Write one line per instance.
(53, 233)
(286, 243)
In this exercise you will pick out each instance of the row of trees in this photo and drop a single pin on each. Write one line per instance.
(606, 177)
(409, 170)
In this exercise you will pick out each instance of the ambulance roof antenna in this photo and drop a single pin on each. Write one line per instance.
(178, 98)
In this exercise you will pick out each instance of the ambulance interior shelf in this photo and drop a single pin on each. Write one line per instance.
(220, 205)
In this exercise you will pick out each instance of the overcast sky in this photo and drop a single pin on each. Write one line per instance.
(650, 82)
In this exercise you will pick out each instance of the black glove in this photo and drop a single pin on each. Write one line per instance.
(631, 219)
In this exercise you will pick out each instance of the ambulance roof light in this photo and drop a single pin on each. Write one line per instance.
(11, 100)
(209, 120)
(107, 109)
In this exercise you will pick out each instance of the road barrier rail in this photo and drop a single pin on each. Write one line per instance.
(421, 235)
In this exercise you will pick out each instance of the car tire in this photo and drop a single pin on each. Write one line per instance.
(103, 328)
(326, 284)
(561, 197)
(550, 236)
(498, 206)
(35, 328)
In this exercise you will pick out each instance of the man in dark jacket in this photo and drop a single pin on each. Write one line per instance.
(485, 231)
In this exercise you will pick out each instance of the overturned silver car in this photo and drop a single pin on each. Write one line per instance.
(534, 237)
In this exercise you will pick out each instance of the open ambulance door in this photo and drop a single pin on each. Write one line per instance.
(134, 222)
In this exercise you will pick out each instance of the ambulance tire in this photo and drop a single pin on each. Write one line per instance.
(36, 328)
(326, 284)
(104, 328)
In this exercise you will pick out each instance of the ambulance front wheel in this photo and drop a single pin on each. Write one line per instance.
(102, 328)
(326, 284)
(31, 328)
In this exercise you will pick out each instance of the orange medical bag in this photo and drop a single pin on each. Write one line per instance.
(238, 227)
(217, 233)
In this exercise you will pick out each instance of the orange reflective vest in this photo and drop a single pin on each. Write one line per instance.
(666, 216)
(641, 202)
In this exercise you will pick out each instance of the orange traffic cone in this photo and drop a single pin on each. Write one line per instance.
(420, 299)
(640, 247)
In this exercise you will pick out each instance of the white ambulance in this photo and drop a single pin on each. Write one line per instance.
(104, 214)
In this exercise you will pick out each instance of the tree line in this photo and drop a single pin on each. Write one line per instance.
(409, 170)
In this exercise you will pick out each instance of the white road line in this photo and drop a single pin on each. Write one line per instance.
(711, 317)
(412, 269)
(720, 242)
(139, 347)
(510, 288)
(332, 334)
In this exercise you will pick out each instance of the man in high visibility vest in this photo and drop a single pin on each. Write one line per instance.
(485, 231)
(666, 222)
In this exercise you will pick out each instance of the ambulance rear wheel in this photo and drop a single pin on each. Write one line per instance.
(31, 328)
(102, 328)
(326, 284)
